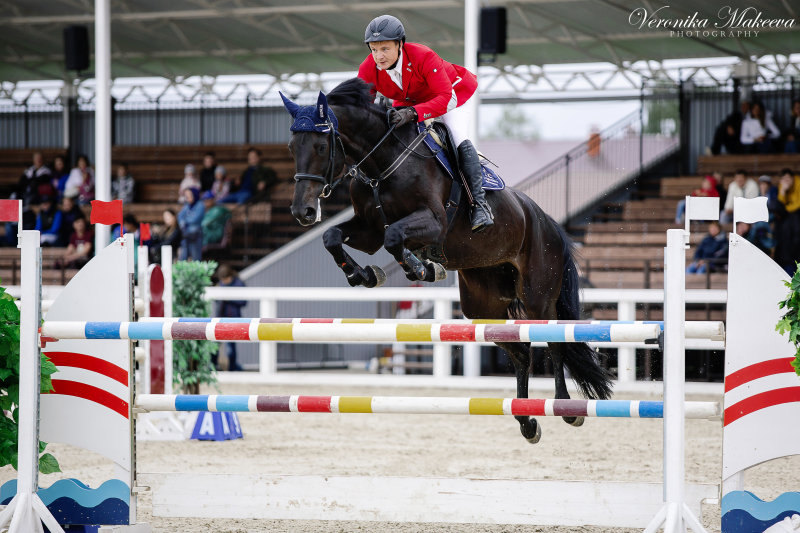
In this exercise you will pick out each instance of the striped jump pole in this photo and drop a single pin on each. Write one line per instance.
(255, 330)
(419, 405)
(699, 329)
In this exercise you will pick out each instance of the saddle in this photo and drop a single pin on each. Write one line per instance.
(441, 142)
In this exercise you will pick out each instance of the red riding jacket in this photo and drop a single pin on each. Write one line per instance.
(428, 81)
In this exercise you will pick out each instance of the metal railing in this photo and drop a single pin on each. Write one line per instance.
(606, 162)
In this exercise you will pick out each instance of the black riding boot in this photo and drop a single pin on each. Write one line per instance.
(481, 213)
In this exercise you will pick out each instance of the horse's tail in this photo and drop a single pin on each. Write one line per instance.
(581, 360)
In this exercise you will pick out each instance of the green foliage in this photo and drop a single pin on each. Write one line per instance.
(192, 364)
(790, 323)
(9, 387)
(663, 116)
(514, 123)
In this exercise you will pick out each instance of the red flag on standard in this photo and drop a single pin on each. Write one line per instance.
(9, 210)
(107, 213)
(144, 232)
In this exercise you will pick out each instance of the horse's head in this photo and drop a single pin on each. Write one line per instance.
(318, 156)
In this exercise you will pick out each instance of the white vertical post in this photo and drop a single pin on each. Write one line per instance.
(166, 269)
(626, 356)
(143, 260)
(26, 511)
(268, 351)
(102, 113)
(472, 359)
(471, 37)
(442, 360)
(675, 515)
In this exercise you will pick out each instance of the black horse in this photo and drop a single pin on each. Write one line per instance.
(522, 267)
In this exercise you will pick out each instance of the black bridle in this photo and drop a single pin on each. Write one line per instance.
(327, 179)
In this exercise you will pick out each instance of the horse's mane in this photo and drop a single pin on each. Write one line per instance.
(353, 92)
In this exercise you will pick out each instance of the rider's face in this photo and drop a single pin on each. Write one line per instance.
(385, 53)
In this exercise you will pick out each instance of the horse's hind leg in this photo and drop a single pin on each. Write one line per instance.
(521, 357)
(557, 356)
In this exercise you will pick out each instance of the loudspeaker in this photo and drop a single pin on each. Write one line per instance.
(76, 47)
(493, 30)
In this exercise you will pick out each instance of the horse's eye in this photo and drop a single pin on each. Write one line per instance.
(322, 149)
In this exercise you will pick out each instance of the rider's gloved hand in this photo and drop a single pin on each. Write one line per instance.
(402, 115)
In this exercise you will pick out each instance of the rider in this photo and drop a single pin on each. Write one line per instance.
(413, 75)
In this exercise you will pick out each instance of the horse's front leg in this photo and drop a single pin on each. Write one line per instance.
(420, 227)
(357, 235)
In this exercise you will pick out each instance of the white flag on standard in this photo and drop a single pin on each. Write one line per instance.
(750, 210)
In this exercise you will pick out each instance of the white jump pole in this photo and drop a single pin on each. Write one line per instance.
(102, 113)
(26, 511)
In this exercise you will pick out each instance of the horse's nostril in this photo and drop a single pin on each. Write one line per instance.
(310, 213)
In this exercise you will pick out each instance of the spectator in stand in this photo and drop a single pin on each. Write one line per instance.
(711, 253)
(740, 186)
(80, 183)
(758, 235)
(230, 309)
(759, 132)
(728, 132)
(792, 133)
(190, 220)
(60, 174)
(214, 219)
(167, 235)
(79, 250)
(189, 181)
(48, 221)
(707, 189)
(787, 229)
(131, 226)
(255, 179)
(27, 190)
(221, 186)
(207, 174)
(123, 186)
(768, 190)
(69, 213)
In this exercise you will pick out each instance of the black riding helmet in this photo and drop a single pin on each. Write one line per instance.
(385, 28)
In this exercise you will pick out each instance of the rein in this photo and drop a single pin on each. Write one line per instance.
(329, 184)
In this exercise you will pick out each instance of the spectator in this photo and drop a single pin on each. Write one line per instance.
(190, 220)
(792, 132)
(69, 213)
(189, 181)
(221, 186)
(79, 250)
(48, 221)
(122, 186)
(255, 179)
(29, 182)
(167, 235)
(229, 308)
(214, 220)
(787, 231)
(131, 226)
(729, 131)
(60, 175)
(741, 186)
(207, 174)
(758, 234)
(768, 190)
(707, 189)
(759, 131)
(711, 253)
(80, 183)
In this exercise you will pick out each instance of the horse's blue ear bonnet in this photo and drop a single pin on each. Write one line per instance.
(316, 118)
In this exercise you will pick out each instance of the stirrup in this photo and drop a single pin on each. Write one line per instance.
(481, 217)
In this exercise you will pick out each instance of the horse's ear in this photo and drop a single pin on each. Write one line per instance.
(322, 107)
(290, 106)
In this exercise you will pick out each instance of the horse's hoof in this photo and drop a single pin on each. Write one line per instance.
(575, 421)
(530, 428)
(439, 272)
(376, 272)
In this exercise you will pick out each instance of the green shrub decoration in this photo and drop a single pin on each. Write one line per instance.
(9, 387)
(790, 323)
(192, 363)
